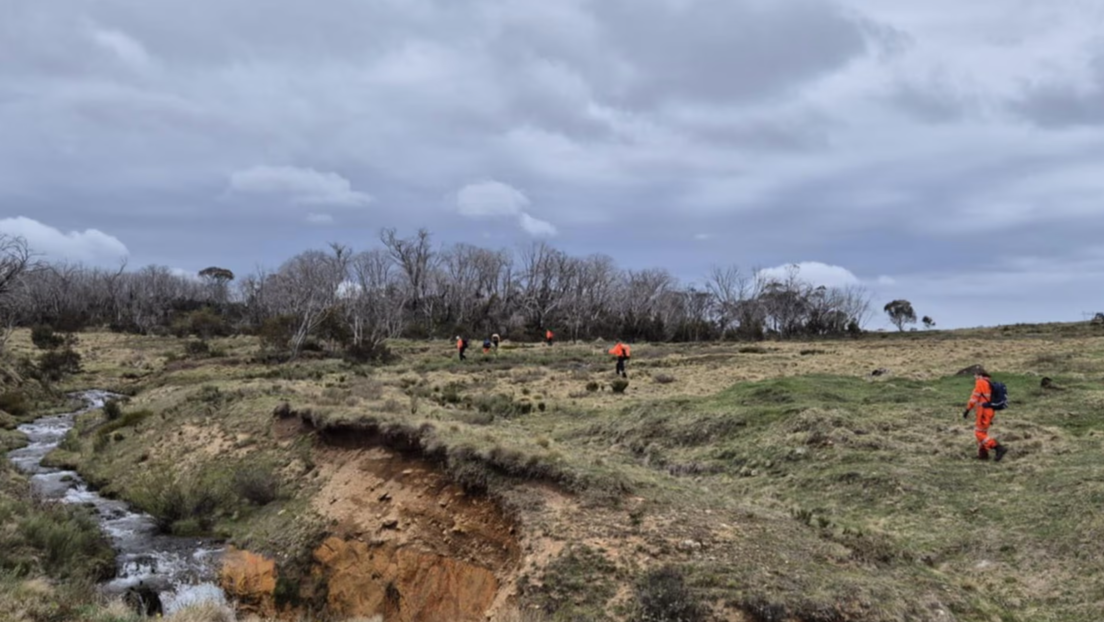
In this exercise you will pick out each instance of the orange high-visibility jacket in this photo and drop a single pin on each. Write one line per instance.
(548, 335)
(981, 394)
(620, 350)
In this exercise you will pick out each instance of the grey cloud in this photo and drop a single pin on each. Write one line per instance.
(1061, 104)
(723, 51)
(935, 100)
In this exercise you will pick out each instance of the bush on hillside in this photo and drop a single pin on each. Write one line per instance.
(44, 338)
(203, 323)
(112, 410)
(257, 483)
(54, 365)
(15, 403)
(662, 596)
(276, 332)
(180, 504)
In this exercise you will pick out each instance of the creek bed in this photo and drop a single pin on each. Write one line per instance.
(182, 570)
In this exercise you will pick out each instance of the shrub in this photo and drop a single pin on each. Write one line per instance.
(209, 394)
(256, 482)
(619, 385)
(577, 585)
(276, 332)
(15, 403)
(752, 350)
(71, 442)
(593, 386)
(56, 364)
(662, 596)
(189, 500)
(369, 353)
(663, 379)
(197, 349)
(501, 405)
(44, 338)
(112, 410)
(126, 420)
(204, 323)
(69, 542)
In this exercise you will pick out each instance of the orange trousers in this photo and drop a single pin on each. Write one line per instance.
(981, 428)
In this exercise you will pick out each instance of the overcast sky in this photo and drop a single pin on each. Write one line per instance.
(943, 151)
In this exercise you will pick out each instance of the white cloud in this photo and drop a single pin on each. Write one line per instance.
(536, 227)
(90, 246)
(191, 275)
(490, 198)
(494, 199)
(302, 186)
(886, 280)
(814, 273)
(320, 219)
(703, 236)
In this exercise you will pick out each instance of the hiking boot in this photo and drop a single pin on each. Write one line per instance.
(1001, 450)
(983, 453)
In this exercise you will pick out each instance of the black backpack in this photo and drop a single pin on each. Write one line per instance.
(998, 395)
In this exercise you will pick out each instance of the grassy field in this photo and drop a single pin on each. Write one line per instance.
(781, 481)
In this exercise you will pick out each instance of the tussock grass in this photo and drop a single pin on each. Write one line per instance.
(40, 540)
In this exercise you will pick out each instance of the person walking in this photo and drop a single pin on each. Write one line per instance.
(548, 336)
(982, 400)
(622, 352)
(486, 346)
(461, 346)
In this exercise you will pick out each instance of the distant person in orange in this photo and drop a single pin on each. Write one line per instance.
(486, 346)
(982, 400)
(461, 346)
(622, 352)
(548, 337)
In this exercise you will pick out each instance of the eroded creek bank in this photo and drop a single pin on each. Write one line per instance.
(402, 541)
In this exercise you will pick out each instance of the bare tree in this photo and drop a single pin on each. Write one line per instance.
(735, 298)
(306, 288)
(374, 300)
(544, 282)
(407, 287)
(416, 259)
(16, 260)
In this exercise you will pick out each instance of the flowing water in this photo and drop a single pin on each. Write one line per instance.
(183, 570)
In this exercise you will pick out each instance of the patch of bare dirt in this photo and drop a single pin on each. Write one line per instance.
(407, 544)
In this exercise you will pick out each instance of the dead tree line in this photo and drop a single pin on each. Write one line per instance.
(410, 287)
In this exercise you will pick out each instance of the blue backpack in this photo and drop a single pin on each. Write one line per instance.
(998, 395)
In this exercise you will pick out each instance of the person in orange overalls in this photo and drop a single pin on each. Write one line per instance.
(622, 352)
(461, 345)
(548, 337)
(980, 400)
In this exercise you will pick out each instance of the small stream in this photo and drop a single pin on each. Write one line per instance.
(183, 570)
